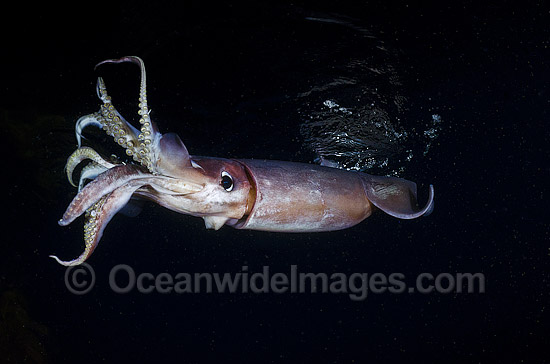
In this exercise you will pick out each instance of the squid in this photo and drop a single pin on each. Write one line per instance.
(268, 195)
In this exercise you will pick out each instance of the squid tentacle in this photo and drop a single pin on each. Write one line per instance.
(90, 172)
(105, 183)
(115, 187)
(80, 155)
(110, 120)
(98, 216)
(92, 119)
(123, 133)
(144, 147)
(139, 144)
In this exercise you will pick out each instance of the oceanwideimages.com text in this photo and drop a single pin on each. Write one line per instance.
(124, 279)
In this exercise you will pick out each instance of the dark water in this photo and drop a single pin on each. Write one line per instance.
(241, 81)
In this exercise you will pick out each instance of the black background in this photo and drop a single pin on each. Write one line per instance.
(484, 68)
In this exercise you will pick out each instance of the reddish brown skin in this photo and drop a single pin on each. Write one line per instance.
(299, 197)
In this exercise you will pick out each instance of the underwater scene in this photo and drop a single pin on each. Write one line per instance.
(276, 182)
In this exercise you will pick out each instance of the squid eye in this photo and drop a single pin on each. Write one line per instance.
(227, 181)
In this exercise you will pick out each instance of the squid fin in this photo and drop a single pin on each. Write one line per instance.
(396, 196)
